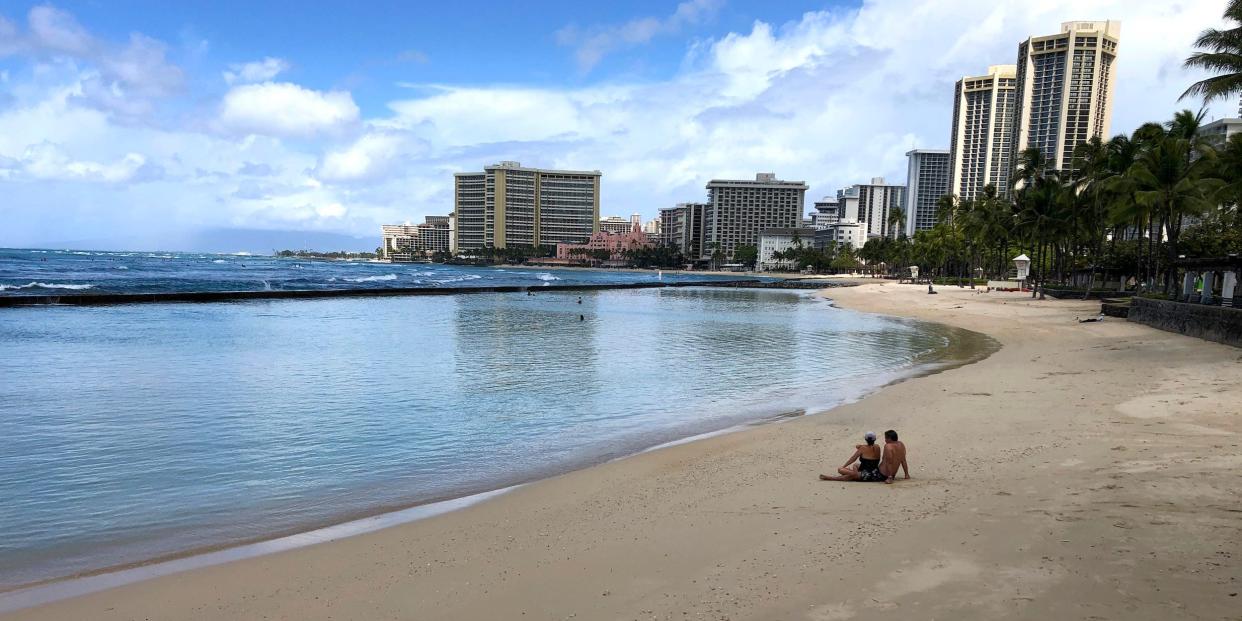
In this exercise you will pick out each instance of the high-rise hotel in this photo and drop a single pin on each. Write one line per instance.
(979, 147)
(1065, 90)
(927, 179)
(508, 205)
(738, 210)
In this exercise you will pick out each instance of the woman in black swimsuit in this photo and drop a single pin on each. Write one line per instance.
(868, 468)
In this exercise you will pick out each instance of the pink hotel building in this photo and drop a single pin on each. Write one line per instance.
(615, 243)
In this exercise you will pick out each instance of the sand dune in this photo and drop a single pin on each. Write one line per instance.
(1084, 471)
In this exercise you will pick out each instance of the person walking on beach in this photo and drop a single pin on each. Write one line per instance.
(868, 468)
(894, 457)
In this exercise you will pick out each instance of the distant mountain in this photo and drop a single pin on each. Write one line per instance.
(254, 241)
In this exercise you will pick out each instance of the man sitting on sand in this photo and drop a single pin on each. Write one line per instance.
(894, 457)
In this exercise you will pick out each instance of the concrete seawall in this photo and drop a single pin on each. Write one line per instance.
(1213, 323)
(97, 299)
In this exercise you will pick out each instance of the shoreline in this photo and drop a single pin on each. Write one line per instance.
(1047, 481)
(964, 347)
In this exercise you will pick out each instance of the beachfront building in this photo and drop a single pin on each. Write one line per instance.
(777, 240)
(681, 227)
(615, 224)
(871, 204)
(406, 242)
(927, 179)
(827, 212)
(1219, 132)
(738, 210)
(652, 227)
(1064, 90)
(847, 233)
(979, 144)
(614, 244)
(509, 205)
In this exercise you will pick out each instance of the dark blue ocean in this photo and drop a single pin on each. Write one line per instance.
(61, 272)
(139, 431)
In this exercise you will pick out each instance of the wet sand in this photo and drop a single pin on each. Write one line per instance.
(1084, 471)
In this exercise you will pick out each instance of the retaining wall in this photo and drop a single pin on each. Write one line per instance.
(1213, 323)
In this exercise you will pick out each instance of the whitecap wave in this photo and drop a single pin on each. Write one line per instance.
(373, 278)
(45, 285)
(121, 267)
(546, 277)
(219, 261)
(458, 279)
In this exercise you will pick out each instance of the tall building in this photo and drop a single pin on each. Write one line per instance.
(927, 179)
(405, 242)
(827, 212)
(681, 227)
(740, 209)
(979, 147)
(507, 204)
(652, 227)
(871, 204)
(1219, 132)
(1065, 90)
(615, 224)
(636, 221)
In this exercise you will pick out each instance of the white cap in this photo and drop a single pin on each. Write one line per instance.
(870, 435)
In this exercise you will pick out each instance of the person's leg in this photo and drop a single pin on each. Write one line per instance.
(847, 474)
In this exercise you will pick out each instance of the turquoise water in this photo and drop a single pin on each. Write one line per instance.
(133, 432)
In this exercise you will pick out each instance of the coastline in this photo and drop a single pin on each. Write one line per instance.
(964, 347)
(734, 525)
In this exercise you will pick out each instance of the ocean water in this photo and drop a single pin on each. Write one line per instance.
(135, 432)
(63, 272)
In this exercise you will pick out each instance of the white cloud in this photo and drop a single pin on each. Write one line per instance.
(833, 98)
(55, 30)
(48, 161)
(284, 109)
(123, 79)
(257, 71)
(592, 44)
(369, 157)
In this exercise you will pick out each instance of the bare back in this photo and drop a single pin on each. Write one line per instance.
(894, 456)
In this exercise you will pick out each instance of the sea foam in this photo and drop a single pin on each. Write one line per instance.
(44, 285)
(373, 278)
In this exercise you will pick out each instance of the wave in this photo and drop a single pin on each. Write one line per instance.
(219, 261)
(458, 279)
(121, 267)
(546, 277)
(44, 285)
(373, 278)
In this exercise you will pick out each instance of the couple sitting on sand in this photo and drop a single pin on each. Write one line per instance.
(874, 465)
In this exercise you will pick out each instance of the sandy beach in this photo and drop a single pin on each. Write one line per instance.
(1083, 471)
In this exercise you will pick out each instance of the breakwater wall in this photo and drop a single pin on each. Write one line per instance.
(1213, 323)
(99, 299)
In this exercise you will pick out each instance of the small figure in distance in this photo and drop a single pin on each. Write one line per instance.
(868, 468)
(579, 299)
(894, 457)
(581, 317)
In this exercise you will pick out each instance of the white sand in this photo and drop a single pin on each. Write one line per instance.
(1085, 471)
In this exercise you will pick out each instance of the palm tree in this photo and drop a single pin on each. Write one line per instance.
(1091, 166)
(1220, 52)
(897, 221)
(1174, 178)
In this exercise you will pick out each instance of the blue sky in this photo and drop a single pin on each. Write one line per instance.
(139, 118)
